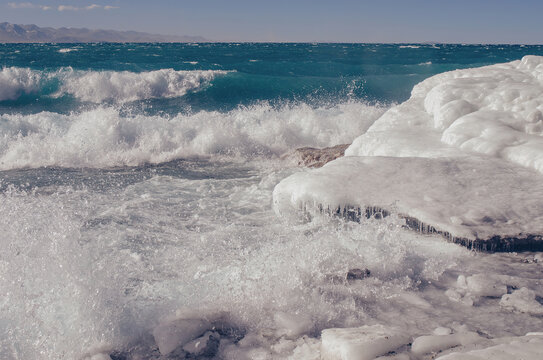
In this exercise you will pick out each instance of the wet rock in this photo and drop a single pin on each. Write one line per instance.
(117, 355)
(205, 346)
(196, 338)
(313, 157)
(351, 276)
(358, 274)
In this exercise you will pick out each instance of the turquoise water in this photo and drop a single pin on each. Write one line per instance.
(137, 179)
(312, 73)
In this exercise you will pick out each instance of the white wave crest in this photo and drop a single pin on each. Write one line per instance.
(125, 86)
(15, 82)
(99, 86)
(67, 50)
(104, 138)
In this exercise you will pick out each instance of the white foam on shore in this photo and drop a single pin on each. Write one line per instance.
(170, 248)
(104, 138)
(100, 269)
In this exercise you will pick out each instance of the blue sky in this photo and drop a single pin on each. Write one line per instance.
(461, 21)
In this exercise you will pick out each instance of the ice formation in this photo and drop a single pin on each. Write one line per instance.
(462, 157)
(529, 347)
(377, 341)
(522, 300)
(433, 343)
(494, 110)
(364, 343)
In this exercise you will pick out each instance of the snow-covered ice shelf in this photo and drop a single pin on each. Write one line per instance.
(483, 203)
(462, 157)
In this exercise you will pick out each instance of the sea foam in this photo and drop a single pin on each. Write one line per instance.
(181, 253)
(104, 137)
(15, 82)
(98, 86)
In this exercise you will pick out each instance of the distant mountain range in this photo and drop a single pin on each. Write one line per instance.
(13, 33)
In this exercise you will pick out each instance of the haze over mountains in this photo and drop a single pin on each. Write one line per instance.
(14, 33)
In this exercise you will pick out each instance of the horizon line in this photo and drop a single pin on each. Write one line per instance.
(207, 41)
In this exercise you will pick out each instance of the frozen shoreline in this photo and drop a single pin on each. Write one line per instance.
(460, 158)
(441, 196)
(189, 336)
(134, 228)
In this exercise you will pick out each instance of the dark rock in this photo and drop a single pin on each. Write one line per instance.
(184, 338)
(227, 331)
(358, 274)
(313, 157)
(195, 338)
(116, 355)
(177, 354)
(205, 346)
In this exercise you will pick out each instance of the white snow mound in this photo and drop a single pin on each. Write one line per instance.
(495, 110)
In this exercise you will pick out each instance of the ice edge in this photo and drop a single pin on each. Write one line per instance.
(495, 243)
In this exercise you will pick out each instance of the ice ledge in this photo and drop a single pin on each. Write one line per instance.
(480, 202)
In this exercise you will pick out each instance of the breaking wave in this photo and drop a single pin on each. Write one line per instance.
(99, 86)
(106, 137)
(15, 82)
